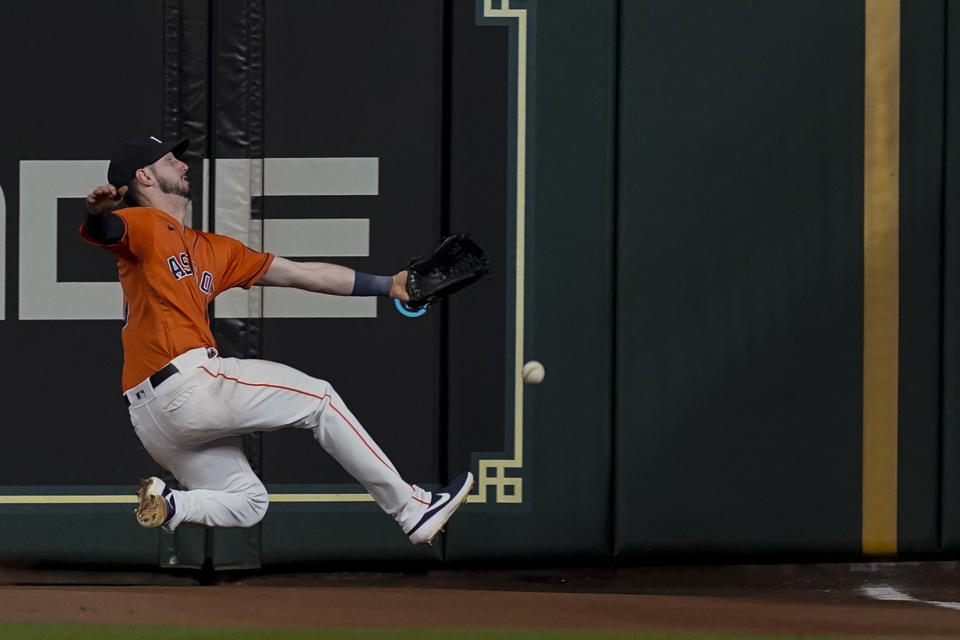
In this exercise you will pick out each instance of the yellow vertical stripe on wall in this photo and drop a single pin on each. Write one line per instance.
(881, 295)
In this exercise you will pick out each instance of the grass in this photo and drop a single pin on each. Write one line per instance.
(43, 631)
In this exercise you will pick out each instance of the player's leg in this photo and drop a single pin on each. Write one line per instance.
(257, 395)
(222, 489)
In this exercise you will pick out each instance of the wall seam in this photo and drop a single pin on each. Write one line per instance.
(446, 118)
(615, 260)
(941, 396)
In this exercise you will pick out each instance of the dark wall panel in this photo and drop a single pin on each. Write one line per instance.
(568, 305)
(740, 277)
(76, 534)
(921, 176)
(70, 97)
(360, 79)
(950, 461)
(357, 79)
(479, 357)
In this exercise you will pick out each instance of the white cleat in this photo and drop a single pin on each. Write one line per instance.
(442, 505)
(153, 508)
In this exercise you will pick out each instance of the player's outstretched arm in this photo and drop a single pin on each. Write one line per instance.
(323, 277)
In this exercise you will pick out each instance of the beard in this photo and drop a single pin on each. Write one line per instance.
(177, 188)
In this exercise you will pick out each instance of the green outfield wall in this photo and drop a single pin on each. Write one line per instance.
(728, 229)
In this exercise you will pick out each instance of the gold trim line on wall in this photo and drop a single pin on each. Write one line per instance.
(881, 271)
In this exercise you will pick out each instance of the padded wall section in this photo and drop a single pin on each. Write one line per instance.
(355, 80)
(921, 179)
(739, 300)
(950, 514)
(566, 421)
(58, 113)
(67, 430)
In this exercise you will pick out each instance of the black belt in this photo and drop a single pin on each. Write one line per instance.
(163, 374)
(159, 377)
(168, 371)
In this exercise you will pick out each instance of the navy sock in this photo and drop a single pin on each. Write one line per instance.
(171, 504)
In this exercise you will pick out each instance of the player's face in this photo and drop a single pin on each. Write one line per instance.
(171, 176)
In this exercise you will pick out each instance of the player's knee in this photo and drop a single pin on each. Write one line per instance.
(257, 501)
(327, 395)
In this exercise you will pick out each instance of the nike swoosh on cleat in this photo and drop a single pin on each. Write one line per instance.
(442, 500)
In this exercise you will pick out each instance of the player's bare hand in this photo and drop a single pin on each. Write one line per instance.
(399, 289)
(105, 198)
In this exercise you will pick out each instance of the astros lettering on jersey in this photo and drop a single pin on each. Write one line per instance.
(169, 274)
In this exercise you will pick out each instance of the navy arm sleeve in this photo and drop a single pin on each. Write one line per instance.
(105, 228)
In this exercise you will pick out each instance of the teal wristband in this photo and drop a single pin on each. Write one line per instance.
(365, 284)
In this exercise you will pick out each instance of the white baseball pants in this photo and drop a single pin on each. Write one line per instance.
(192, 423)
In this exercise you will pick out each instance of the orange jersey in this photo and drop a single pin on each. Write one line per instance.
(170, 274)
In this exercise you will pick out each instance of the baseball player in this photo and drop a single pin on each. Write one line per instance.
(189, 406)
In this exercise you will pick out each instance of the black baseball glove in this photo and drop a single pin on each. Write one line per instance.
(457, 262)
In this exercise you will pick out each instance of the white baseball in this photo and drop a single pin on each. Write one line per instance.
(533, 372)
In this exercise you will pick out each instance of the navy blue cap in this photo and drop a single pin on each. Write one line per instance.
(135, 153)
